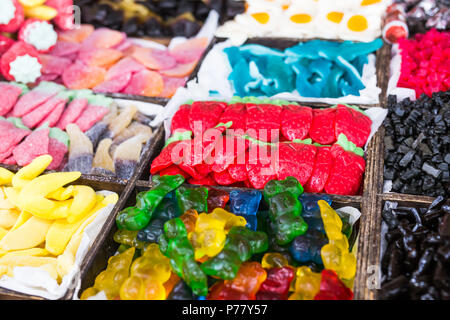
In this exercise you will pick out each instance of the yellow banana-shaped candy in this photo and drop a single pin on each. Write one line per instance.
(31, 171)
(61, 194)
(32, 3)
(23, 217)
(6, 176)
(84, 199)
(29, 235)
(40, 12)
(32, 196)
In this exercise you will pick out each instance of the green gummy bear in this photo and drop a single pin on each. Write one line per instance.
(192, 198)
(138, 217)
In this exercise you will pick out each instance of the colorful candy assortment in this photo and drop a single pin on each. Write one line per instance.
(424, 66)
(358, 20)
(182, 244)
(169, 18)
(103, 60)
(42, 222)
(89, 128)
(27, 30)
(263, 238)
(415, 261)
(106, 61)
(15, 12)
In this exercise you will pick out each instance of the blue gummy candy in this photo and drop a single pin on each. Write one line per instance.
(310, 206)
(316, 68)
(246, 203)
(306, 248)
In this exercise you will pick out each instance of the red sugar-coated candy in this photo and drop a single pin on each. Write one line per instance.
(172, 171)
(35, 145)
(5, 44)
(180, 120)
(18, 49)
(14, 24)
(424, 65)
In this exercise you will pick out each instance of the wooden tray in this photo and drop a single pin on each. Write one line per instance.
(122, 191)
(370, 236)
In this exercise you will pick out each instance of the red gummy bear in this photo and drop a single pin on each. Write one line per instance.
(217, 199)
(244, 287)
(276, 286)
(332, 288)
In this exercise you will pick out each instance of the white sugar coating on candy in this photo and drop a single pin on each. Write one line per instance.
(41, 35)
(25, 69)
(7, 12)
(355, 20)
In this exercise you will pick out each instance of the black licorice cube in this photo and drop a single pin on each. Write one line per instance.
(417, 145)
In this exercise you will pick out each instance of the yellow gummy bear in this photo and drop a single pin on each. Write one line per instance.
(148, 274)
(111, 279)
(274, 260)
(230, 219)
(307, 284)
(208, 237)
(335, 255)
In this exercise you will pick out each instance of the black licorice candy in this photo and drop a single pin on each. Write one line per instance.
(417, 145)
(416, 261)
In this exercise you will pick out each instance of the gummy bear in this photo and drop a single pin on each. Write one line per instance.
(111, 279)
(244, 286)
(147, 276)
(246, 203)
